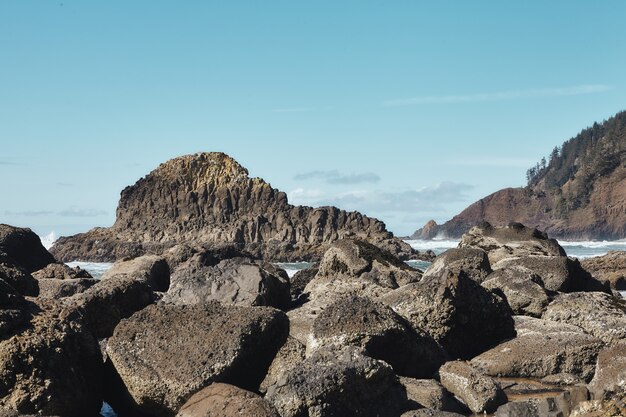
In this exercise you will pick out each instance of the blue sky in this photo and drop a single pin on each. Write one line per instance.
(405, 110)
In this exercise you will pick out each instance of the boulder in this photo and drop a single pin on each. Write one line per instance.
(558, 273)
(429, 412)
(61, 271)
(541, 349)
(290, 355)
(51, 367)
(193, 346)
(599, 408)
(23, 247)
(599, 314)
(353, 258)
(523, 290)
(478, 391)
(224, 400)
(381, 332)
(150, 269)
(106, 303)
(300, 280)
(456, 311)
(609, 381)
(429, 393)
(59, 288)
(474, 262)
(237, 281)
(513, 241)
(338, 383)
(609, 268)
(19, 279)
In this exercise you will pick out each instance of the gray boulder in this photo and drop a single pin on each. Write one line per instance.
(474, 262)
(478, 391)
(599, 314)
(523, 290)
(149, 269)
(429, 393)
(609, 381)
(236, 281)
(541, 349)
(290, 355)
(224, 400)
(60, 288)
(338, 383)
(609, 268)
(456, 311)
(165, 353)
(60, 271)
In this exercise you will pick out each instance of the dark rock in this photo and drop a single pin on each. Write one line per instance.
(523, 290)
(223, 400)
(426, 232)
(456, 311)
(479, 392)
(194, 345)
(381, 332)
(609, 268)
(300, 280)
(540, 349)
(61, 271)
(513, 241)
(609, 381)
(51, 367)
(209, 198)
(106, 303)
(428, 412)
(351, 258)
(473, 262)
(338, 383)
(150, 269)
(429, 393)
(23, 247)
(290, 355)
(13, 312)
(236, 281)
(599, 314)
(19, 279)
(60, 288)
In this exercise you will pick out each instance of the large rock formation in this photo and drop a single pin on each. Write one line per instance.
(209, 198)
(579, 193)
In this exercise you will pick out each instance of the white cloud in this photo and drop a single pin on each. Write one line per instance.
(501, 95)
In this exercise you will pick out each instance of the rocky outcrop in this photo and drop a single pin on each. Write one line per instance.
(456, 311)
(338, 383)
(61, 271)
(53, 288)
(23, 248)
(224, 400)
(51, 367)
(19, 279)
(13, 313)
(149, 269)
(478, 391)
(474, 262)
(599, 314)
(381, 332)
(609, 268)
(429, 231)
(579, 194)
(236, 281)
(429, 393)
(524, 291)
(542, 348)
(165, 353)
(209, 198)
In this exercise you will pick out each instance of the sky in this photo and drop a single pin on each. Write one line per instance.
(404, 110)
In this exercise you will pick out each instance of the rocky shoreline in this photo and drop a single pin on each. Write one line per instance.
(504, 324)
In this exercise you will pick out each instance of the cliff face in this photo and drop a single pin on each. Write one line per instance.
(579, 193)
(208, 198)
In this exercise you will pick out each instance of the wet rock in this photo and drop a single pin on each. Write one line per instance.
(352, 258)
(236, 281)
(51, 367)
(523, 290)
(609, 381)
(478, 391)
(513, 241)
(150, 269)
(601, 315)
(224, 400)
(338, 383)
(106, 303)
(474, 262)
(381, 332)
(24, 249)
(456, 311)
(540, 350)
(194, 345)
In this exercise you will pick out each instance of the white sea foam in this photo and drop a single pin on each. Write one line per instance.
(292, 267)
(436, 245)
(48, 240)
(96, 269)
